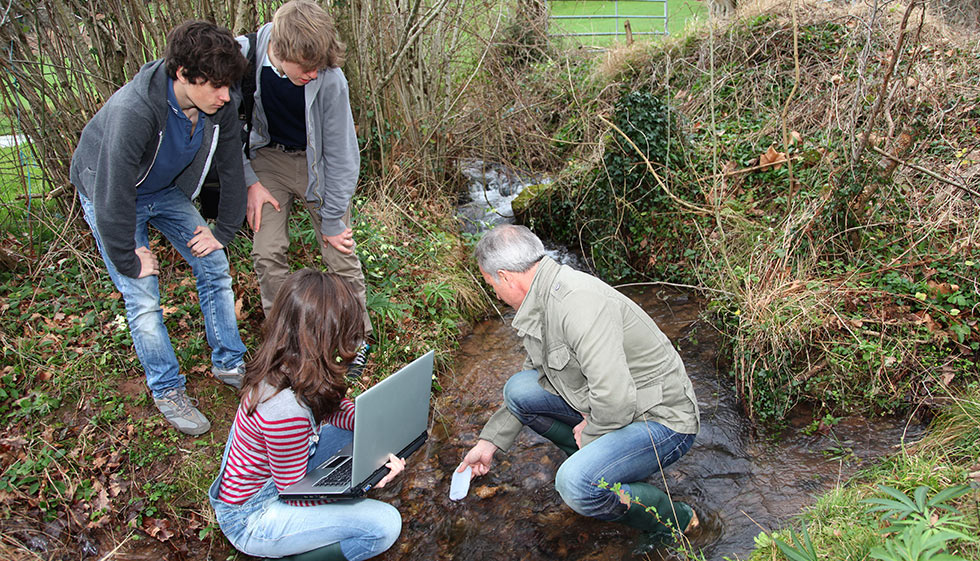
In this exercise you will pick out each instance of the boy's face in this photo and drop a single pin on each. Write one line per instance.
(203, 95)
(296, 72)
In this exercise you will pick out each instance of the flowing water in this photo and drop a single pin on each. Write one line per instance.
(740, 483)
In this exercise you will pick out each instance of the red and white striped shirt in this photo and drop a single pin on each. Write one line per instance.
(274, 441)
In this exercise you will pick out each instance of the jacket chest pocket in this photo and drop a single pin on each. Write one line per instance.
(558, 357)
(566, 373)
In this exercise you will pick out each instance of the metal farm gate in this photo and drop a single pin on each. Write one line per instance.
(649, 17)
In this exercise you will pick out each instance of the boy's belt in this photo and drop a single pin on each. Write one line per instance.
(287, 149)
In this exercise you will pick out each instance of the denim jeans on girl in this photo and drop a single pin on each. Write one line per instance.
(264, 526)
(173, 214)
(627, 455)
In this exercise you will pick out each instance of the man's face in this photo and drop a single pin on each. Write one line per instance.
(297, 73)
(506, 291)
(206, 97)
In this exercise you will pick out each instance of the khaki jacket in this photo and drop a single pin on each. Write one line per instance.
(600, 352)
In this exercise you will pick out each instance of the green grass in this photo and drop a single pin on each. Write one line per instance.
(679, 13)
(13, 172)
(86, 442)
(847, 523)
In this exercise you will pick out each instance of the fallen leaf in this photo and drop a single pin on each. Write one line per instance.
(925, 319)
(940, 287)
(114, 461)
(101, 501)
(239, 313)
(772, 158)
(116, 485)
(158, 528)
(13, 442)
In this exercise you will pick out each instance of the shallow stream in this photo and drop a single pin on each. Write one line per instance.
(739, 482)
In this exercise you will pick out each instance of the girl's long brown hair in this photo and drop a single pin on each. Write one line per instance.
(313, 331)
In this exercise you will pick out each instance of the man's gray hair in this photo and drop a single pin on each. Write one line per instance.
(508, 248)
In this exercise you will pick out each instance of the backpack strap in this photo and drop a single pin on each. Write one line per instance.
(248, 92)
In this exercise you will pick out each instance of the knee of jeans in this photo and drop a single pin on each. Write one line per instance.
(577, 491)
(515, 390)
(214, 274)
(144, 316)
(386, 528)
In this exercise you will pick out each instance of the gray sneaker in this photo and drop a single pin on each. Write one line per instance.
(181, 412)
(231, 377)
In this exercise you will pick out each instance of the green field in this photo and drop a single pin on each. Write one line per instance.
(679, 12)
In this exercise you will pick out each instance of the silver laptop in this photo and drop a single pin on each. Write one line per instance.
(390, 417)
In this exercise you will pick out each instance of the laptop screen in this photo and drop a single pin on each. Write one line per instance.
(391, 415)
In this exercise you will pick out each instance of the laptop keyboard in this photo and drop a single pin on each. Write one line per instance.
(339, 476)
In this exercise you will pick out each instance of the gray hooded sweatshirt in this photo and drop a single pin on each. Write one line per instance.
(119, 146)
(332, 157)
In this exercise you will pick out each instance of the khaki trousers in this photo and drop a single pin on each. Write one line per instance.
(285, 176)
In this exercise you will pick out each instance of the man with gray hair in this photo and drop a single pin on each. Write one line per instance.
(600, 380)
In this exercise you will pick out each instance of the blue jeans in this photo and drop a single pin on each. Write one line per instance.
(264, 526)
(171, 212)
(630, 454)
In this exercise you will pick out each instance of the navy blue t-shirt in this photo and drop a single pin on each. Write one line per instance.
(177, 149)
(285, 109)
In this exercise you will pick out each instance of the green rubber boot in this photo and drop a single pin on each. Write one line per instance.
(563, 437)
(665, 520)
(330, 552)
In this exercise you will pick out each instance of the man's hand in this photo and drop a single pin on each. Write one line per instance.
(148, 262)
(479, 458)
(342, 242)
(396, 465)
(258, 196)
(203, 242)
(577, 430)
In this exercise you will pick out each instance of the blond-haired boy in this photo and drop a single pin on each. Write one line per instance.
(303, 146)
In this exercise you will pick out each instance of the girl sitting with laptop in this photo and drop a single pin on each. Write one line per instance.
(293, 414)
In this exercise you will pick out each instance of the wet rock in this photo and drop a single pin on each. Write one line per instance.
(485, 491)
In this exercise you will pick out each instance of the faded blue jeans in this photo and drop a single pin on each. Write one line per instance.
(264, 526)
(627, 455)
(171, 212)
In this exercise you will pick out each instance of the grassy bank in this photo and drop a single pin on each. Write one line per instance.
(844, 272)
(918, 504)
(87, 462)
